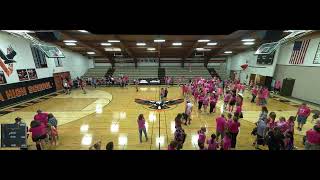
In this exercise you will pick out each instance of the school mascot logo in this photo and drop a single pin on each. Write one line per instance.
(6, 61)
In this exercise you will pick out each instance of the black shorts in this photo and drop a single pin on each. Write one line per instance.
(35, 139)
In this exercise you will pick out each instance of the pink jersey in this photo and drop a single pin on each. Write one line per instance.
(221, 123)
(201, 98)
(304, 111)
(38, 131)
(265, 93)
(206, 100)
(202, 137)
(141, 124)
(212, 145)
(227, 97)
(226, 143)
(42, 117)
(234, 127)
(282, 125)
(213, 100)
(313, 136)
(220, 91)
(238, 109)
(254, 91)
(290, 126)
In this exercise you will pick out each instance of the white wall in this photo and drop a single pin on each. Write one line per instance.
(73, 62)
(286, 51)
(235, 62)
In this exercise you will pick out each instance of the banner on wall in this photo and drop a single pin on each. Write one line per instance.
(22, 74)
(32, 73)
(2, 78)
(17, 92)
(7, 61)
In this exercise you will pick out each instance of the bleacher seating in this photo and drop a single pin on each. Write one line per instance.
(136, 73)
(97, 72)
(178, 72)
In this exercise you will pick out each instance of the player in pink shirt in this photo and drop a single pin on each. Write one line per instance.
(226, 142)
(41, 117)
(234, 130)
(202, 137)
(212, 143)
(200, 101)
(302, 115)
(254, 93)
(220, 126)
(206, 102)
(232, 102)
(142, 127)
(313, 138)
(227, 98)
(271, 124)
(290, 124)
(282, 125)
(238, 112)
(213, 102)
(39, 133)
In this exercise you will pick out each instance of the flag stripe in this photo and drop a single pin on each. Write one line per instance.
(299, 52)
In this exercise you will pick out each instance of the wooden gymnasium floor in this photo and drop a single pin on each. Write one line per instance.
(110, 114)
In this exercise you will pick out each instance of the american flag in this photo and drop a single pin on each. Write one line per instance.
(299, 51)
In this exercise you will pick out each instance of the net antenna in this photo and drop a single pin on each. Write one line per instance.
(50, 51)
(269, 48)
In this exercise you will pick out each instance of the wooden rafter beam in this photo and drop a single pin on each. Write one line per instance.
(110, 57)
(190, 51)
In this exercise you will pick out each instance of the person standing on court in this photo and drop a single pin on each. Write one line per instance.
(41, 117)
(302, 115)
(142, 127)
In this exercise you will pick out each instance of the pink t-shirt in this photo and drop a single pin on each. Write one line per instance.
(226, 143)
(221, 123)
(42, 117)
(304, 111)
(212, 145)
(205, 100)
(254, 91)
(282, 125)
(238, 109)
(38, 131)
(265, 93)
(141, 124)
(290, 126)
(202, 137)
(227, 98)
(234, 127)
(201, 98)
(313, 136)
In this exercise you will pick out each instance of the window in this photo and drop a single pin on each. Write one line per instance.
(39, 57)
(58, 62)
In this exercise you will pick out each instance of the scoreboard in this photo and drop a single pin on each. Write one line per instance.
(265, 59)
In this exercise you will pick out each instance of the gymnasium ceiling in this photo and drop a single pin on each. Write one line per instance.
(89, 42)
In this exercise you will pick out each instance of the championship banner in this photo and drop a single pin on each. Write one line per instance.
(22, 91)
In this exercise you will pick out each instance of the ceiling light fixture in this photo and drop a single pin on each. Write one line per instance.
(83, 31)
(69, 41)
(177, 44)
(91, 52)
(106, 44)
(141, 44)
(159, 40)
(248, 43)
(203, 40)
(70, 44)
(228, 52)
(112, 49)
(202, 49)
(110, 41)
(248, 40)
(151, 49)
(212, 44)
